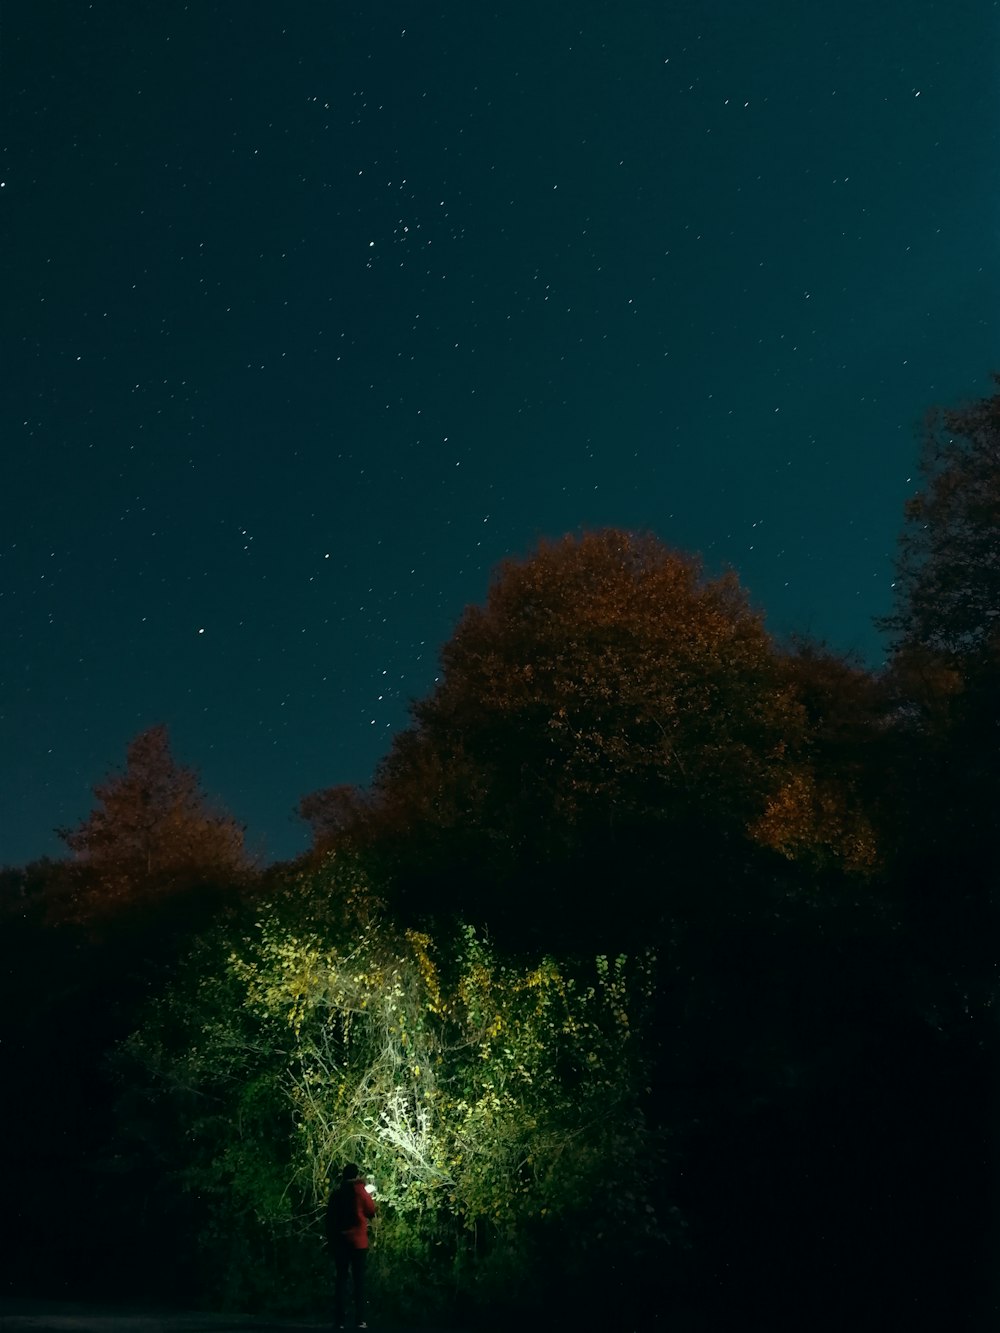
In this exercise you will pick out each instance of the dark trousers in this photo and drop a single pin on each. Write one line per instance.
(347, 1258)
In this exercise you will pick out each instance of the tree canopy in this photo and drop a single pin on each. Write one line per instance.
(151, 833)
(609, 703)
(604, 675)
(948, 569)
(944, 678)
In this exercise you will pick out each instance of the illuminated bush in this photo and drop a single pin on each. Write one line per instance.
(486, 1100)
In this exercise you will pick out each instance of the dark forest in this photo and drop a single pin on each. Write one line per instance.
(655, 967)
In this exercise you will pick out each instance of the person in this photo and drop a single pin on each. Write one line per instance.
(347, 1214)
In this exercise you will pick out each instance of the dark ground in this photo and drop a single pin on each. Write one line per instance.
(49, 1316)
(66, 1317)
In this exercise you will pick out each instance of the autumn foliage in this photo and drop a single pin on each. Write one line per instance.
(152, 833)
(608, 704)
(604, 676)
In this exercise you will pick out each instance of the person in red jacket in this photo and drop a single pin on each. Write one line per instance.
(347, 1214)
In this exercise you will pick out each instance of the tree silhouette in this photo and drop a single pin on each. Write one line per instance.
(605, 676)
(948, 569)
(608, 712)
(151, 834)
(944, 674)
(945, 678)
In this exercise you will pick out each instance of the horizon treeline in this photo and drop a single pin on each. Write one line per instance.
(654, 948)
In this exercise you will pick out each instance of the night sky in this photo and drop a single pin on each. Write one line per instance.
(314, 311)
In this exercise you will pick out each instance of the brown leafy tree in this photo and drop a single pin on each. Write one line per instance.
(88, 940)
(829, 805)
(603, 676)
(151, 834)
(608, 709)
(335, 815)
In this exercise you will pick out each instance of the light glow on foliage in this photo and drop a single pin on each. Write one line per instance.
(467, 1086)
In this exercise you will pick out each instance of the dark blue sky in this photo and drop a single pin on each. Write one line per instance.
(312, 313)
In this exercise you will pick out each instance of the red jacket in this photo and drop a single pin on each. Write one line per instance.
(358, 1234)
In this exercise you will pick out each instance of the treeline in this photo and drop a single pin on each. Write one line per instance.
(654, 971)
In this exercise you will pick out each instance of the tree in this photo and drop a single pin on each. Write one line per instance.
(151, 834)
(828, 807)
(944, 676)
(944, 679)
(945, 627)
(334, 815)
(605, 675)
(609, 716)
(948, 569)
(86, 940)
(491, 1102)
(945, 667)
